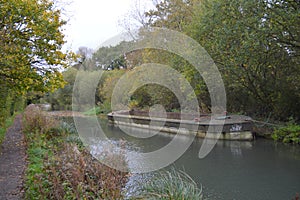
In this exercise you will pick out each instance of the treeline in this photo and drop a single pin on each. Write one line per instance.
(255, 45)
(64, 98)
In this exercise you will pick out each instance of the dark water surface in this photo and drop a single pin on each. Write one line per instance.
(256, 170)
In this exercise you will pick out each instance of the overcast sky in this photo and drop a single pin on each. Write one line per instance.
(92, 22)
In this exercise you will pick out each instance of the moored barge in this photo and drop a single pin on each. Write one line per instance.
(233, 127)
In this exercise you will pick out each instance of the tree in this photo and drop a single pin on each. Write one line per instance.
(31, 39)
(256, 46)
(85, 58)
(116, 57)
(176, 15)
(107, 84)
(172, 14)
(61, 99)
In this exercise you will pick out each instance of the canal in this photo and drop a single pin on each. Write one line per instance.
(261, 169)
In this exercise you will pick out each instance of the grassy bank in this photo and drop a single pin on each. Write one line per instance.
(60, 167)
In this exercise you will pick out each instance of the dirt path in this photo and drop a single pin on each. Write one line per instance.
(13, 162)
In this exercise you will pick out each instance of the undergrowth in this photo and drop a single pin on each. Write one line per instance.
(288, 134)
(60, 167)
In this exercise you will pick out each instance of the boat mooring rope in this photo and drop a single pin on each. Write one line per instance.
(264, 123)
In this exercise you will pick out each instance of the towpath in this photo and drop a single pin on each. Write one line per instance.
(13, 162)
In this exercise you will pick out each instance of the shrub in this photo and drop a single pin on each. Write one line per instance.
(36, 120)
(288, 134)
(133, 104)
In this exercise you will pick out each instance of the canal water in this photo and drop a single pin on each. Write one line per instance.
(258, 170)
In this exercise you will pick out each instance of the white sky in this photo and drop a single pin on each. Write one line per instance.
(95, 21)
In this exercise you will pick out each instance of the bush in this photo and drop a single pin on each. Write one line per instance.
(288, 134)
(36, 120)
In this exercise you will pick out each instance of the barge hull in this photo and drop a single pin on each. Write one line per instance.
(236, 127)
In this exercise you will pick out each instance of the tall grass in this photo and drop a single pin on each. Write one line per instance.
(172, 184)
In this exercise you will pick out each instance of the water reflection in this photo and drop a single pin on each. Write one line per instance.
(236, 147)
